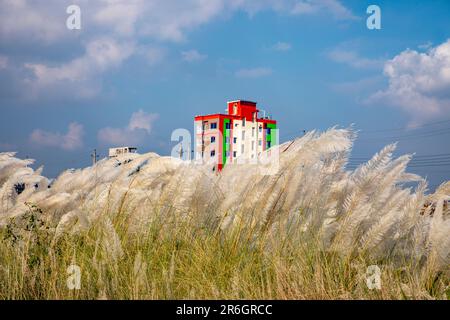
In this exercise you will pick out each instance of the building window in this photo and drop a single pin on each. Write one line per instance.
(235, 108)
(260, 128)
(213, 139)
(260, 142)
(243, 134)
(253, 131)
(268, 130)
(227, 125)
(242, 149)
(268, 144)
(227, 140)
(243, 122)
(213, 153)
(235, 140)
(235, 124)
(234, 154)
(253, 145)
(214, 125)
(227, 154)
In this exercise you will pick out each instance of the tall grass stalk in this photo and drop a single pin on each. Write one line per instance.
(151, 227)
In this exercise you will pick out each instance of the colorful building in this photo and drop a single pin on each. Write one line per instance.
(239, 135)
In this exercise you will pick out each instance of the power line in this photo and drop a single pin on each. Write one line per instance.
(446, 160)
(289, 134)
(427, 165)
(420, 161)
(431, 161)
(433, 155)
(406, 137)
(413, 135)
(414, 156)
(407, 128)
(409, 166)
(411, 161)
(443, 161)
(393, 129)
(417, 135)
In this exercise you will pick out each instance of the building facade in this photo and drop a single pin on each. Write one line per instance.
(240, 135)
(118, 151)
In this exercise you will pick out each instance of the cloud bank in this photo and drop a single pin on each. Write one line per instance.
(419, 83)
(111, 33)
(138, 129)
(70, 141)
(80, 74)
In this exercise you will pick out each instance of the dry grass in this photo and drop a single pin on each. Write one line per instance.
(150, 227)
(184, 260)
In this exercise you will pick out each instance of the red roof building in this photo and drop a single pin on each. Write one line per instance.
(239, 134)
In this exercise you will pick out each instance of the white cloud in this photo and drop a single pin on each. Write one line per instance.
(336, 8)
(138, 129)
(282, 46)
(142, 120)
(305, 7)
(192, 56)
(352, 58)
(169, 20)
(419, 83)
(72, 140)
(120, 16)
(101, 54)
(33, 21)
(253, 73)
(128, 22)
(164, 20)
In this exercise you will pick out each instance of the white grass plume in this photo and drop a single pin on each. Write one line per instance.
(312, 194)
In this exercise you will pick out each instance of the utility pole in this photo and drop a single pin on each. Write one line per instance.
(181, 152)
(94, 157)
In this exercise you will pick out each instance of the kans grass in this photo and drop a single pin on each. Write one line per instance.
(150, 227)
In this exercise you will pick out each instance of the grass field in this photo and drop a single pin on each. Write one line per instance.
(152, 228)
(188, 260)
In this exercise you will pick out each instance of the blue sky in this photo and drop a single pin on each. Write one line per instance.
(137, 70)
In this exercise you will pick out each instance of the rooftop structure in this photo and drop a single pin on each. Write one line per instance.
(241, 133)
(117, 151)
